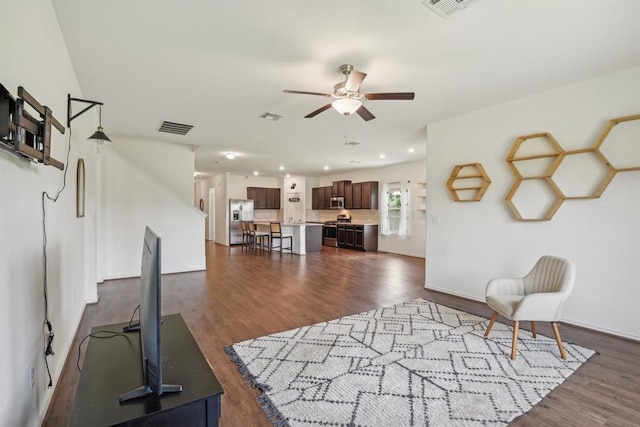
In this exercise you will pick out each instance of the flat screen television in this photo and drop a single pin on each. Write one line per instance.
(150, 321)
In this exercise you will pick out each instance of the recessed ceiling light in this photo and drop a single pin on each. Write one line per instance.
(326, 168)
(382, 156)
(230, 155)
(255, 172)
(411, 150)
(281, 168)
(288, 176)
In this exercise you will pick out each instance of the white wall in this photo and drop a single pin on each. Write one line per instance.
(170, 164)
(132, 200)
(237, 184)
(414, 243)
(33, 55)
(474, 242)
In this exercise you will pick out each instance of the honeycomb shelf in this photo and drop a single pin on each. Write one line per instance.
(477, 179)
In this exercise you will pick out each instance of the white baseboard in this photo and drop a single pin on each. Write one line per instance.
(567, 321)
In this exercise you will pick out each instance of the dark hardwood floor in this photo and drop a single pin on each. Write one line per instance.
(242, 296)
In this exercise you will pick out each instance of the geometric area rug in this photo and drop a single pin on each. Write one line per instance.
(416, 363)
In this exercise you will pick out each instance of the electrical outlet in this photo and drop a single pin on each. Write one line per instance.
(33, 376)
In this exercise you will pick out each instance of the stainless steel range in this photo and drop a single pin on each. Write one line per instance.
(330, 230)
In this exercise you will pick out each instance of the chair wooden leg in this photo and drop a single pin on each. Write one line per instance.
(514, 344)
(491, 322)
(533, 328)
(556, 333)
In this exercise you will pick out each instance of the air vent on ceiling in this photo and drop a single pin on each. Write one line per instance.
(175, 128)
(446, 8)
(270, 116)
(354, 161)
(352, 143)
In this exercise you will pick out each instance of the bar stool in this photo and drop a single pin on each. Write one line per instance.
(276, 233)
(258, 237)
(246, 237)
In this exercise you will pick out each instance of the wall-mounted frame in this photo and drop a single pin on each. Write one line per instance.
(80, 189)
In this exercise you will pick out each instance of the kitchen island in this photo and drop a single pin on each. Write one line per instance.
(307, 237)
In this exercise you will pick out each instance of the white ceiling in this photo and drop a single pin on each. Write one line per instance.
(219, 64)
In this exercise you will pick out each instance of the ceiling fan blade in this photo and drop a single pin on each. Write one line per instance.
(365, 114)
(390, 95)
(301, 92)
(354, 80)
(318, 111)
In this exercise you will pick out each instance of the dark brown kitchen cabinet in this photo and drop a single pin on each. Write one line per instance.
(338, 188)
(348, 196)
(363, 237)
(370, 195)
(357, 195)
(273, 198)
(264, 198)
(327, 197)
(314, 198)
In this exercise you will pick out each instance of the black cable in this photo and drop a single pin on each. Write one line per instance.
(95, 335)
(133, 314)
(49, 349)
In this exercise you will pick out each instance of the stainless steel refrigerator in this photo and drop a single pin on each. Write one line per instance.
(239, 210)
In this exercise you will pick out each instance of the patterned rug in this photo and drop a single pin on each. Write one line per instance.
(413, 364)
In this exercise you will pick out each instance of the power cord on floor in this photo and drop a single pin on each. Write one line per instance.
(49, 349)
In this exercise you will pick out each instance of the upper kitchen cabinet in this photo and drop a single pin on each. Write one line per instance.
(348, 195)
(327, 197)
(264, 198)
(338, 188)
(314, 199)
(370, 195)
(357, 195)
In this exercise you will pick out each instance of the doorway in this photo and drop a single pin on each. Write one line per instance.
(212, 214)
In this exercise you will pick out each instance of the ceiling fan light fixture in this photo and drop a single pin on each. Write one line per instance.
(346, 106)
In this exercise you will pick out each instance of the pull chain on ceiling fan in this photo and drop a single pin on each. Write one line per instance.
(348, 96)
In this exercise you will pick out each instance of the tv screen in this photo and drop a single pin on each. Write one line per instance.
(150, 321)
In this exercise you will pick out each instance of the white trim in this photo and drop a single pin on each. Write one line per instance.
(591, 327)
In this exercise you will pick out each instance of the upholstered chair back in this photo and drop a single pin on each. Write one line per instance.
(550, 274)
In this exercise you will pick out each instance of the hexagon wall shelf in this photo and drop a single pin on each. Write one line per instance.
(555, 155)
(605, 133)
(475, 182)
(609, 173)
(557, 199)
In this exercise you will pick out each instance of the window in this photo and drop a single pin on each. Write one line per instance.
(396, 208)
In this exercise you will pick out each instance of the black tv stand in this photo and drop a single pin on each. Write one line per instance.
(113, 365)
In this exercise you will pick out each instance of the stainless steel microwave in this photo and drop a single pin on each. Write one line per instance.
(337, 203)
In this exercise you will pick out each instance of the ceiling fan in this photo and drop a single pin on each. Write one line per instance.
(348, 96)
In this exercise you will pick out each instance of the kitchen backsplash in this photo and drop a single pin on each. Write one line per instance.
(358, 216)
(268, 215)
